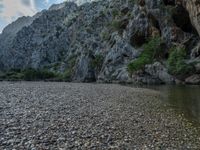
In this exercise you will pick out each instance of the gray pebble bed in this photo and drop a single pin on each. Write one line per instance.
(42, 115)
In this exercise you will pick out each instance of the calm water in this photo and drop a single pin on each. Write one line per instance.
(185, 99)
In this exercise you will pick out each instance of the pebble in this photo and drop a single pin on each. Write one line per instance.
(62, 116)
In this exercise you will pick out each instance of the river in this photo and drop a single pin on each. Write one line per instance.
(184, 99)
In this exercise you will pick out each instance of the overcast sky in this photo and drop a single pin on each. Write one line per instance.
(10, 10)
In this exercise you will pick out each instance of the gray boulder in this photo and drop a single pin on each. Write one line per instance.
(194, 79)
(157, 70)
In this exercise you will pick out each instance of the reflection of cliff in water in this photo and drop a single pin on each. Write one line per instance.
(183, 98)
(187, 99)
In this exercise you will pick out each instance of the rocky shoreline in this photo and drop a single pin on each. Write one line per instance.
(46, 115)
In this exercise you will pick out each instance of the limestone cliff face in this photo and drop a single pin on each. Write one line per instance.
(193, 8)
(96, 41)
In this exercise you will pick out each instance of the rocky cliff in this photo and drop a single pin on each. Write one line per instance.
(193, 8)
(109, 41)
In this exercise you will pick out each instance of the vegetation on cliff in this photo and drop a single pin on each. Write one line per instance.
(151, 52)
(176, 62)
(27, 74)
(118, 36)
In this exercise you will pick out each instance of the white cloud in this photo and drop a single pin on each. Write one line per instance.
(10, 10)
(46, 1)
(15, 8)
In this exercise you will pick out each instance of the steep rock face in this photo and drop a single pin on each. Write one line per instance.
(41, 42)
(8, 35)
(193, 8)
(116, 60)
(96, 41)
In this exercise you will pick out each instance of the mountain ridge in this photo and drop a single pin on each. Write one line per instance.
(102, 41)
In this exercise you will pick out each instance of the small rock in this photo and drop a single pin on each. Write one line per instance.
(194, 79)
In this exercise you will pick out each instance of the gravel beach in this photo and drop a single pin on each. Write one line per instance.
(42, 115)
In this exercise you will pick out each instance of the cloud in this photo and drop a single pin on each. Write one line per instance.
(11, 9)
(26, 2)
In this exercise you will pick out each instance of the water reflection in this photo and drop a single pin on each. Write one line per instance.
(184, 98)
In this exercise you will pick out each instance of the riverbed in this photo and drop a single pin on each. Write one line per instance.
(53, 115)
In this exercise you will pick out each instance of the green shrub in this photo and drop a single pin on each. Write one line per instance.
(27, 74)
(2, 75)
(104, 12)
(115, 25)
(115, 12)
(34, 74)
(72, 61)
(12, 75)
(67, 75)
(133, 2)
(176, 62)
(151, 51)
(16, 76)
(97, 62)
(105, 35)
